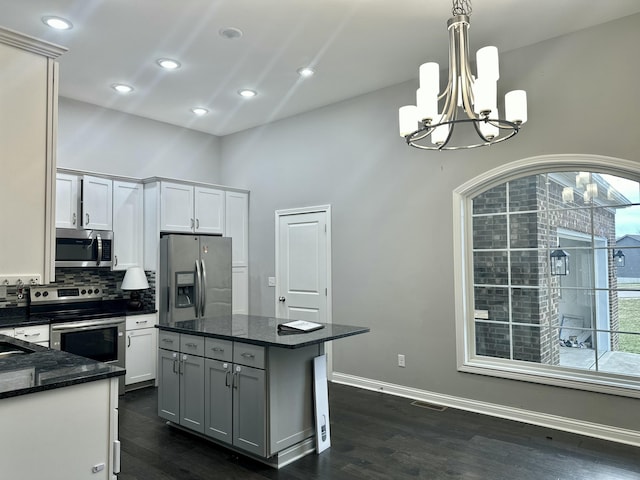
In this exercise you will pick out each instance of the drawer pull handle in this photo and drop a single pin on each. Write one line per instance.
(191, 344)
(217, 349)
(248, 355)
(168, 340)
(32, 334)
(139, 322)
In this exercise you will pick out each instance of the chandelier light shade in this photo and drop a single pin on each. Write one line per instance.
(469, 100)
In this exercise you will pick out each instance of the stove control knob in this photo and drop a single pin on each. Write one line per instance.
(96, 291)
(83, 291)
(45, 294)
(38, 294)
(89, 291)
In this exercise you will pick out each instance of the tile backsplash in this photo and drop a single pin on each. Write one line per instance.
(108, 281)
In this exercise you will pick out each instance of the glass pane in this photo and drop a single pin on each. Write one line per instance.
(621, 190)
(524, 193)
(572, 354)
(581, 270)
(627, 224)
(628, 316)
(490, 268)
(490, 232)
(625, 360)
(491, 201)
(526, 343)
(493, 303)
(626, 262)
(492, 340)
(525, 305)
(523, 230)
(524, 268)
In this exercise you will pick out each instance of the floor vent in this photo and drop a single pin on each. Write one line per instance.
(430, 406)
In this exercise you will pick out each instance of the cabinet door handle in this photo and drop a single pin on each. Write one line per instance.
(226, 379)
(128, 341)
(234, 384)
(174, 365)
(87, 217)
(116, 260)
(73, 218)
(247, 355)
(197, 223)
(192, 223)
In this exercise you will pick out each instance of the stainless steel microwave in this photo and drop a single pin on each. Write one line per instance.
(84, 248)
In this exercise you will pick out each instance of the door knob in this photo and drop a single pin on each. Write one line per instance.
(282, 299)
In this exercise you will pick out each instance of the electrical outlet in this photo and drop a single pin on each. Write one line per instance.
(401, 360)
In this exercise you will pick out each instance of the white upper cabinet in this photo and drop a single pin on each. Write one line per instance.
(97, 195)
(191, 209)
(209, 210)
(237, 227)
(67, 200)
(28, 119)
(127, 224)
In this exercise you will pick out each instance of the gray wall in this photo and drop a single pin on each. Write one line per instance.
(102, 140)
(392, 208)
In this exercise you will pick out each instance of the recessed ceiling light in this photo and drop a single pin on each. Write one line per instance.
(247, 93)
(306, 71)
(230, 33)
(199, 111)
(168, 64)
(122, 88)
(58, 23)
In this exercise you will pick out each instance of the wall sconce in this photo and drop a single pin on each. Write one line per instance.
(559, 262)
(135, 280)
(618, 259)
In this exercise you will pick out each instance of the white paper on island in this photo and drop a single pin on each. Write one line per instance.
(300, 325)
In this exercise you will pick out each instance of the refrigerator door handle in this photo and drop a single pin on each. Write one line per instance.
(198, 300)
(204, 289)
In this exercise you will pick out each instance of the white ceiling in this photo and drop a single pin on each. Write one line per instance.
(356, 46)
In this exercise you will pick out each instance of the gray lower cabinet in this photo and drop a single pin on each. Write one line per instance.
(256, 399)
(235, 410)
(180, 384)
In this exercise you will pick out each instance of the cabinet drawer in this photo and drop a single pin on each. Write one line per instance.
(248, 354)
(33, 333)
(192, 345)
(135, 322)
(218, 349)
(169, 341)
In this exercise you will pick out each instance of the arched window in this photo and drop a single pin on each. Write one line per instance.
(548, 273)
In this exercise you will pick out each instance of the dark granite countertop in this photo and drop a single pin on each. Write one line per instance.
(260, 331)
(19, 317)
(47, 369)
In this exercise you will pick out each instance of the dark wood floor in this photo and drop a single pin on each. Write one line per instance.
(377, 436)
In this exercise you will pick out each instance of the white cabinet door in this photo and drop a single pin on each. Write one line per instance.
(28, 108)
(240, 290)
(127, 224)
(209, 210)
(67, 189)
(97, 203)
(237, 227)
(176, 208)
(141, 355)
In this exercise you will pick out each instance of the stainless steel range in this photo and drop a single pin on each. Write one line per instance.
(81, 323)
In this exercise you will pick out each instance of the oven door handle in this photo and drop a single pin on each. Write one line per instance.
(87, 325)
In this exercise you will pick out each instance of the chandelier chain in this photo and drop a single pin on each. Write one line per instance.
(461, 7)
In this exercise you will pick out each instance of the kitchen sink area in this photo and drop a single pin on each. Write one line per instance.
(9, 349)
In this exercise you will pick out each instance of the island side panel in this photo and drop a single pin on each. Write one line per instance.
(70, 429)
(291, 414)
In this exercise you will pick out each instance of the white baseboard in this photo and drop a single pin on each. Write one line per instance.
(614, 434)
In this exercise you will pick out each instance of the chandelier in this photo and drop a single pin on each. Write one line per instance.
(466, 99)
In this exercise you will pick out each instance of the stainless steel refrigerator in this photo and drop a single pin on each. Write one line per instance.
(195, 277)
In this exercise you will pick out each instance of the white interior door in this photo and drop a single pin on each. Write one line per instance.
(302, 265)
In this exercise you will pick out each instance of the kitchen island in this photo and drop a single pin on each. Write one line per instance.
(58, 413)
(238, 381)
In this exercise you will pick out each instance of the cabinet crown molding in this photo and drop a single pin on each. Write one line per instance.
(30, 44)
